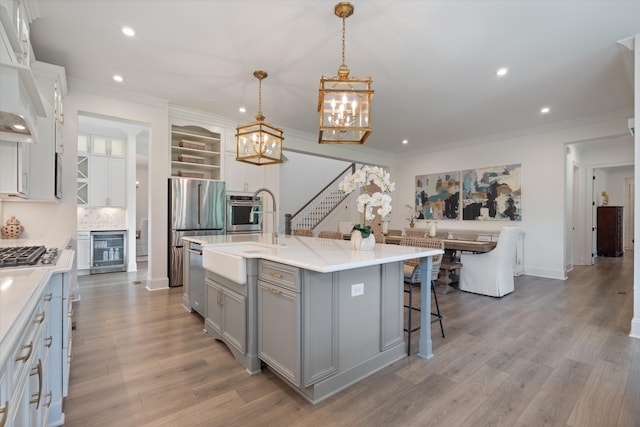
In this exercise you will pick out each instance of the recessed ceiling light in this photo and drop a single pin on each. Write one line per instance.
(545, 110)
(128, 31)
(118, 78)
(405, 141)
(242, 110)
(502, 71)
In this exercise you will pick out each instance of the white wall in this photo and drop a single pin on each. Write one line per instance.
(542, 156)
(303, 176)
(635, 323)
(615, 183)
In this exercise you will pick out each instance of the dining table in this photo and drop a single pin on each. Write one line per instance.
(451, 259)
(475, 246)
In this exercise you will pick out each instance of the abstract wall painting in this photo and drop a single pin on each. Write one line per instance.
(492, 194)
(438, 195)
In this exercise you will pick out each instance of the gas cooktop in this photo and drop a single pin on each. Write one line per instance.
(28, 256)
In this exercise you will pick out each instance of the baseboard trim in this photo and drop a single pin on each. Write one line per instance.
(157, 284)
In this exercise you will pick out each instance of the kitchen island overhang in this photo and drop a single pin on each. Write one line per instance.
(321, 315)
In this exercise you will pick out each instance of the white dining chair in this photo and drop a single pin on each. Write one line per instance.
(491, 273)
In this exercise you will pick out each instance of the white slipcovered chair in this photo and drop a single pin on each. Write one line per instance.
(491, 273)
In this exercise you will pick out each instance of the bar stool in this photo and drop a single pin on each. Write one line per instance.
(412, 278)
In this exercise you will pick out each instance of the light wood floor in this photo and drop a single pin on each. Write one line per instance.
(553, 353)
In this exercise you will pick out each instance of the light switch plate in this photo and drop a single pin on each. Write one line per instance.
(357, 289)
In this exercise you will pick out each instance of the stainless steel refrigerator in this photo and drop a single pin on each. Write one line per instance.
(196, 208)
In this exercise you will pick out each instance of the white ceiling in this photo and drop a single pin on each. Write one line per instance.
(433, 62)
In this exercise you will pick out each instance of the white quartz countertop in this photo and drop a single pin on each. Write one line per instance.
(20, 288)
(311, 253)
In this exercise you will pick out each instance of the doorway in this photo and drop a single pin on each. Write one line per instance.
(127, 213)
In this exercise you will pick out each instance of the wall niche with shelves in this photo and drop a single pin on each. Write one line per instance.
(195, 152)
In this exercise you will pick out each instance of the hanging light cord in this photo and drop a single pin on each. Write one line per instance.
(259, 74)
(259, 96)
(344, 27)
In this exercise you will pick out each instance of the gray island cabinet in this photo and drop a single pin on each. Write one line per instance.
(318, 325)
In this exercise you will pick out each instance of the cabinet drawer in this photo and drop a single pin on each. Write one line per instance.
(27, 347)
(282, 275)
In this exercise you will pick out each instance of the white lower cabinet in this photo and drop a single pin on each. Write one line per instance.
(32, 376)
(83, 252)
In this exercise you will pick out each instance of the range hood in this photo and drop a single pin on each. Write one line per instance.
(20, 104)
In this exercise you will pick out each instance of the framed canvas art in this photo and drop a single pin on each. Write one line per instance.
(492, 193)
(438, 195)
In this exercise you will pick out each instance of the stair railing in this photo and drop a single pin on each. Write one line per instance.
(320, 205)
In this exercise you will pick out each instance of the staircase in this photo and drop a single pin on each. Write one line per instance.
(321, 205)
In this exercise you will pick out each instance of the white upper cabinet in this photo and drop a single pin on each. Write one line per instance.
(14, 168)
(105, 146)
(242, 177)
(16, 17)
(51, 81)
(102, 171)
(107, 184)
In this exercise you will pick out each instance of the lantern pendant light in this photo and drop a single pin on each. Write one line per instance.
(344, 102)
(259, 143)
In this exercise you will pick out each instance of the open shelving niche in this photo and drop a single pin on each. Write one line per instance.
(195, 152)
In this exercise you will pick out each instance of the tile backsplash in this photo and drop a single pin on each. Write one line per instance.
(102, 218)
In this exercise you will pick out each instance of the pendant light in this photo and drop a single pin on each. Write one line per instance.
(259, 143)
(344, 102)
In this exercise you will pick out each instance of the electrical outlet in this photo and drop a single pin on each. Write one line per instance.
(357, 289)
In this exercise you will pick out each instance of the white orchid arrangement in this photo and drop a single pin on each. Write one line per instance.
(366, 202)
(413, 214)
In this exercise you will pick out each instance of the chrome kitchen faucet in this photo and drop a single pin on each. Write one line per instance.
(274, 212)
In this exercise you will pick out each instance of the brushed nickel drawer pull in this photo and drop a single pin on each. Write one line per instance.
(48, 297)
(4, 411)
(35, 397)
(50, 394)
(39, 318)
(274, 291)
(276, 275)
(28, 355)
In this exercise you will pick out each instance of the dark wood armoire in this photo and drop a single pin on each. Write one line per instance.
(609, 229)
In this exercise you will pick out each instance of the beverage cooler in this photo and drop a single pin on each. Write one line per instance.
(108, 251)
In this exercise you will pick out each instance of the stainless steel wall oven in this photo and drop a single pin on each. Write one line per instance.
(239, 214)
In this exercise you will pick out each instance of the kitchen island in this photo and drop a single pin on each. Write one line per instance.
(321, 315)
